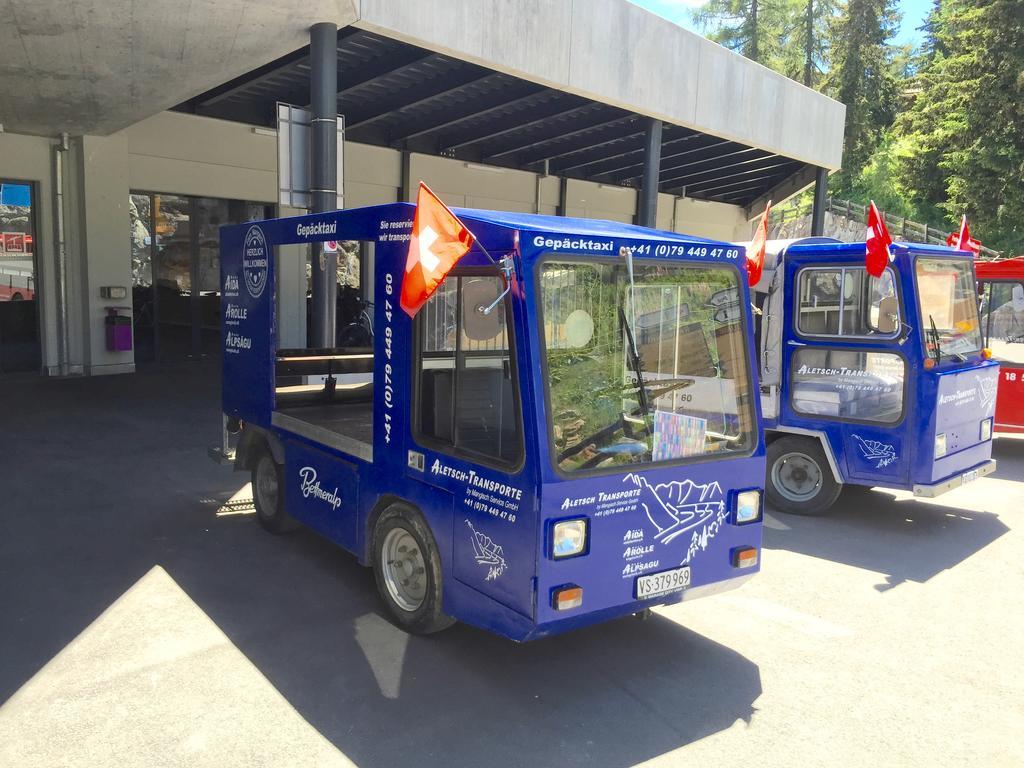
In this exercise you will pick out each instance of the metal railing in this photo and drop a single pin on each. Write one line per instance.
(900, 227)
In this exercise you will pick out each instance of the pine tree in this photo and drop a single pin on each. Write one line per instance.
(966, 127)
(862, 78)
(755, 28)
(806, 49)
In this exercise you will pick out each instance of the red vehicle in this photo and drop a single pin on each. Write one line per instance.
(16, 288)
(1001, 291)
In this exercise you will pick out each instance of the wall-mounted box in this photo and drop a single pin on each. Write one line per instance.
(113, 292)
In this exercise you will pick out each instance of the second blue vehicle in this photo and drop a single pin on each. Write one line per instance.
(871, 381)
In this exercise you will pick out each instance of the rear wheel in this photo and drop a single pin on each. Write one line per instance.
(268, 494)
(800, 479)
(407, 568)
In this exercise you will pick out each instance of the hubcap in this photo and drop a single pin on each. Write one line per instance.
(797, 477)
(405, 572)
(266, 486)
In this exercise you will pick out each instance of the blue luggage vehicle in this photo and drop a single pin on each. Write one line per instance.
(587, 449)
(871, 381)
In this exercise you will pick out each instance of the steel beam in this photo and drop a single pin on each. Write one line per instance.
(556, 133)
(723, 174)
(820, 195)
(323, 88)
(536, 117)
(425, 93)
(648, 198)
(486, 105)
(797, 182)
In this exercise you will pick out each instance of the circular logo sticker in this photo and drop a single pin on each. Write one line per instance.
(255, 259)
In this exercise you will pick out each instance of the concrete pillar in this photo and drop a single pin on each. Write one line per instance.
(820, 196)
(563, 196)
(323, 90)
(648, 203)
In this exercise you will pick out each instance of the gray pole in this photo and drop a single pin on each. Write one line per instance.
(818, 211)
(323, 92)
(648, 203)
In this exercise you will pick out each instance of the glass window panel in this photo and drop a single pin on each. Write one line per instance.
(949, 306)
(467, 397)
(19, 326)
(848, 384)
(847, 301)
(688, 325)
(1002, 319)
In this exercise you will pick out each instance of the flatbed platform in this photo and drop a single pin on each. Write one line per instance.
(347, 427)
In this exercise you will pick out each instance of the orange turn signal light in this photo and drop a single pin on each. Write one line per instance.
(986, 354)
(744, 557)
(564, 598)
(929, 363)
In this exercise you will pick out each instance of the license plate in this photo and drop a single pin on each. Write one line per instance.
(968, 477)
(657, 584)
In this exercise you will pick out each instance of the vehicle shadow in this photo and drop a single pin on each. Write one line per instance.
(906, 540)
(1008, 451)
(96, 509)
(611, 695)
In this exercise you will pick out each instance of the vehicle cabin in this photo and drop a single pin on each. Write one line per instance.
(1001, 295)
(574, 442)
(871, 381)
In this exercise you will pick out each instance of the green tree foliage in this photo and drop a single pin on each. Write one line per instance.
(805, 56)
(965, 130)
(862, 77)
(755, 28)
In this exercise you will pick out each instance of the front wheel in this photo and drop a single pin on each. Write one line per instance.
(799, 478)
(407, 568)
(268, 494)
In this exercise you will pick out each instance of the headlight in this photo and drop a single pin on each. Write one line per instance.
(986, 430)
(940, 445)
(569, 538)
(748, 506)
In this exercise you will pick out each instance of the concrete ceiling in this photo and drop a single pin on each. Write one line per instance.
(96, 66)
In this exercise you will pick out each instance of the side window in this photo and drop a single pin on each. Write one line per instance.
(847, 384)
(1002, 320)
(467, 400)
(847, 301)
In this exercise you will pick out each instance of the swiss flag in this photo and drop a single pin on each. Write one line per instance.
(755, 253)
(438, 241)
(878, 242)
(963, 241)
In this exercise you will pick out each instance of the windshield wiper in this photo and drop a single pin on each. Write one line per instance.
(634, 361)
(936, 345)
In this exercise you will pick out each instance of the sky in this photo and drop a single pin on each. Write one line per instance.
(678, 11)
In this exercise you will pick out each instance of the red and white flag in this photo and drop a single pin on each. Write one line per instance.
(755, 253)
(962, 240)
(878, 241)
(438, 241)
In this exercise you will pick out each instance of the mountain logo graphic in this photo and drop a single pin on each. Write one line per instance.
(677, 506)
(874, 450)
(486, 552)
(988, 388)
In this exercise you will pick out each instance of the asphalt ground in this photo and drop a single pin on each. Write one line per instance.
(146, 620)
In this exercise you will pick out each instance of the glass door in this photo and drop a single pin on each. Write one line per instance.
(175, 242)
(19, 316)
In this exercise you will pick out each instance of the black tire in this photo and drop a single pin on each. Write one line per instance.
(799, 479)
(268, 493)
(412, 611)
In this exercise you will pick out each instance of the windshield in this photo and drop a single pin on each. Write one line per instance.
(686, 322)
(949, 307)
